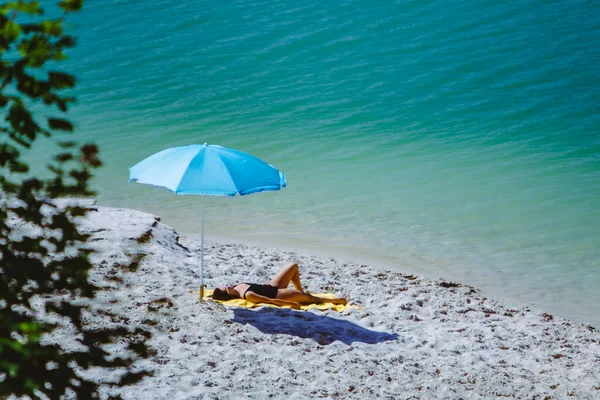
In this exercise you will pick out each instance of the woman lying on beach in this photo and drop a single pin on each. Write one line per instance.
(275, 292)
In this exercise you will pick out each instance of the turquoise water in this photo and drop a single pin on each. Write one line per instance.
(454, 139)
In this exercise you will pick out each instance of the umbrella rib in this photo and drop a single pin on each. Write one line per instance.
(185, 171)
(230, 177)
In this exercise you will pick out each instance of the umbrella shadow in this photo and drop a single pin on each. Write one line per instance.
(321, 328)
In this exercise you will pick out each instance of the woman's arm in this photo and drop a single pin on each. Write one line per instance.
(257, 298)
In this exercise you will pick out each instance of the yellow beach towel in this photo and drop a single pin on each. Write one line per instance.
(249, 304)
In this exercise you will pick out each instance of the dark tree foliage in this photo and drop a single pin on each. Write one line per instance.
(44, 271)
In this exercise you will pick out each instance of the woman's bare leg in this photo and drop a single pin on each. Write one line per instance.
(305, 298)
(287, 274)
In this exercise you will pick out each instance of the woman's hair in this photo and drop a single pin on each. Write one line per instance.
(219, 294)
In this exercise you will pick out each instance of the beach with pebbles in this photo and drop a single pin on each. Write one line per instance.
(408, 336)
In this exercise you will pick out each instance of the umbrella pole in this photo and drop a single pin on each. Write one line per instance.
(202, 258)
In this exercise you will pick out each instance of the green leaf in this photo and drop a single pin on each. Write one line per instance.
(61, 103)
(67, 144)
(52, 27)
(31, 384)
(71, 5)
(19, 167)
(66, 41)
(10, 31)
(63, 157)
(89, 155)
(60, 124)
(32, 8)
(28, 28)
(36, 50)
(31, 328)
(21, 121)
(60, 80)
(31, 86)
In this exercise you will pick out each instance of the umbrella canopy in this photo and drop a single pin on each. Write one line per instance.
(207, 170)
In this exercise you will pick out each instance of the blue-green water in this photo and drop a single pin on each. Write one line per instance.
(456, 139)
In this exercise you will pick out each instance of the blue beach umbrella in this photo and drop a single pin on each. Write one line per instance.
(207, 170)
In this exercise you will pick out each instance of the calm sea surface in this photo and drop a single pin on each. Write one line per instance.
(448, 138)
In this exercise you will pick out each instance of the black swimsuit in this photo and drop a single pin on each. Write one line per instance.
(263, 290)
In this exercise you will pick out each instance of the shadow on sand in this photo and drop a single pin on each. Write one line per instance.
(321, 328)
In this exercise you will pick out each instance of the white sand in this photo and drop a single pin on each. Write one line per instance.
(414, 339)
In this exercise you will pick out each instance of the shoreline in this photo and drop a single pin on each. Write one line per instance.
(383, 264)
(502, 285)
(415, 337)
